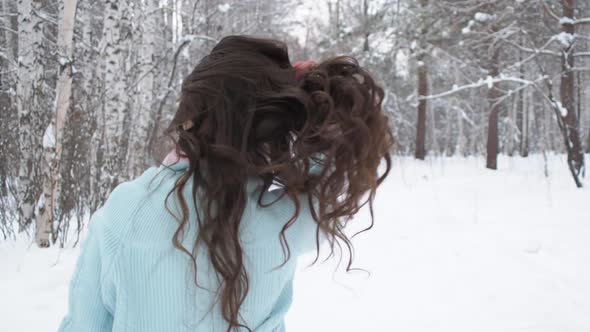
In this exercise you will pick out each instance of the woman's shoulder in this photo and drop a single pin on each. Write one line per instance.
(129, 193)
(125, 199)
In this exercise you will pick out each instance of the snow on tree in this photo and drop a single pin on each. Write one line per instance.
(53, 138)
(112, 129)
(86, 87)
(31, 108)
(138, 153)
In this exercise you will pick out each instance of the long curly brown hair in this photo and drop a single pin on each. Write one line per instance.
(252, 116)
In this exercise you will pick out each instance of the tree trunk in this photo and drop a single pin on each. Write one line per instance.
(29, 108)
(366, 29)
(116, 34)
(63, 93)
(449, 148)
(493, 101)
(8, 116)
(8, 60)
(526, 114)
(567, 91)
(138, 154)
(512, 140)
(96, 131)
(420, 152)
(522, 117)
(434, 139)
(460, 147)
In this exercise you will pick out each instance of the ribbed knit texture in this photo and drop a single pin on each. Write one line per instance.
(129, 277)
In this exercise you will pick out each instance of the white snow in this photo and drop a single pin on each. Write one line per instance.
(49, 137)
(63, 61)
(490, 81)
(562, 109)
(224, 7)
(347, 29)
(467, 30)
(455, 248)
(566, 39)
(566, 20)
(483, 17)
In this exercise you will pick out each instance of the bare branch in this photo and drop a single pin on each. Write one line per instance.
(548, 10)
(489, 81)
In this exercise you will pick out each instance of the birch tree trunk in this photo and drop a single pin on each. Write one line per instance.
(8, 59)
(28, 105)
(460, 146)
(434, 139)
(8, 114)
(96, 113)
(510, 143)
(63, 93)
(521, 116)
(110, 122)
(138, 153)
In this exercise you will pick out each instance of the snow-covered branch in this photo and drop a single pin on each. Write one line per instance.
(536, 51)
(488, 81)
(533, 54)
(191, 38)
(572, 21)
(582, 21)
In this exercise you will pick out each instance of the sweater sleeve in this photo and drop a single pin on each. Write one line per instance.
(86, 310)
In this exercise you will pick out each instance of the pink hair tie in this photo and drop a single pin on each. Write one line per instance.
(172, 157)
(301, 67)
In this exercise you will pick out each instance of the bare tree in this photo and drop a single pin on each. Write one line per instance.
(55, 131)
(493, 96)
(111, 121)
(30, 107)
(138, 153)
(421, 56)
(466, 77)
(567, 88)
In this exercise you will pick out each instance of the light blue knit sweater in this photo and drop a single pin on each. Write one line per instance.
(129, 277)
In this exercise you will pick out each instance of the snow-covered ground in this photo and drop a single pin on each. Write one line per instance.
(455, 248)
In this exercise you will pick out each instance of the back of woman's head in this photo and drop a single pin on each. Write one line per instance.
(245, 112)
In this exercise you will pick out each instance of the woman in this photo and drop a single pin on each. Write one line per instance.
(268, 160)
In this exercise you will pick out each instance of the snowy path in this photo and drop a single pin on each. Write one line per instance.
(455, 248)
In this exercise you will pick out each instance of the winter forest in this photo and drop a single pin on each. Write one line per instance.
(87, 87)
(494, 87)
